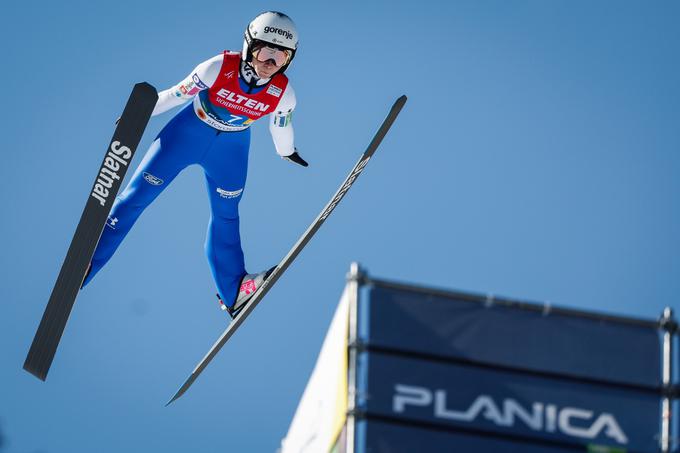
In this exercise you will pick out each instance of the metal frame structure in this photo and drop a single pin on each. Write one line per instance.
(668, 392)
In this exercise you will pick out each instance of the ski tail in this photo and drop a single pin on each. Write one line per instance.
(190, 380)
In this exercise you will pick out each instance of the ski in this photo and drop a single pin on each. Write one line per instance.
(296, 249)
(119, 154)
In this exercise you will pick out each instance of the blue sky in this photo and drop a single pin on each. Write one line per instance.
(537, 158)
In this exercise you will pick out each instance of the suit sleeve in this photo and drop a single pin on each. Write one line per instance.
(201, 78)
(280, 124)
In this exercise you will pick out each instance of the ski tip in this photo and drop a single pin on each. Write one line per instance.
(399, 103)
(146, 86)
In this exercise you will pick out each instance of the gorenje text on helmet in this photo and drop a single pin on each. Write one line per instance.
(279, 31)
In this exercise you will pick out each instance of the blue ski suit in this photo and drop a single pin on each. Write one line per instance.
(214, 133)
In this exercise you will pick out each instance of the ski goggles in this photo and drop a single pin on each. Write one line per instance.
(280, 57)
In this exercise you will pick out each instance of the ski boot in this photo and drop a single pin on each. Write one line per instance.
(249, 286)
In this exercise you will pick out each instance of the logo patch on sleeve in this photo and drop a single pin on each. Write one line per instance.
(282, 119)
(199, 83)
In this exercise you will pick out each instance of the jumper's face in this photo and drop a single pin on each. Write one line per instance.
(264, 70)
(267, 60)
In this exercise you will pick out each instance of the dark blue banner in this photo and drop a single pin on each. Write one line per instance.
(566, 344)
(374, 436)
(506, 403)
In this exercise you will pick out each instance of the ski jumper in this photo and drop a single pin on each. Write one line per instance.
(214, 133)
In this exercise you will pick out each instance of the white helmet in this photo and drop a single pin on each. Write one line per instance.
(273, 28)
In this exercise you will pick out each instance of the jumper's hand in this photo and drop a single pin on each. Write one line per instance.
(296, 159)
